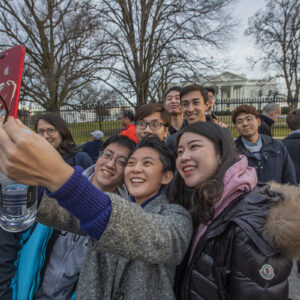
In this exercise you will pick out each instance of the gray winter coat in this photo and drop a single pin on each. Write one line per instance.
(137, 254)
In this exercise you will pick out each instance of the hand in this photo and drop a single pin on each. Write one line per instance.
(28, 158)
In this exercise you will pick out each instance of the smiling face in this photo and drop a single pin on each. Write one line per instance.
(109, 168)
(197, 159)
(144, 174)
(193, 107)
(247, 126)
(53, 136)
(172, 103)
(155, 117)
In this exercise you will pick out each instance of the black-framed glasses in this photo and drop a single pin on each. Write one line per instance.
(50, 131)
(120, 161)
(153, 125)
(5, 109)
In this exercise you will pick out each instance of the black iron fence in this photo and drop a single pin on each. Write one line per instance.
(107, 117)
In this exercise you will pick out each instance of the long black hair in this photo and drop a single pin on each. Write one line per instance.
(199, 200)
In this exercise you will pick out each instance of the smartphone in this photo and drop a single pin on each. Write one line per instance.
(11, 68)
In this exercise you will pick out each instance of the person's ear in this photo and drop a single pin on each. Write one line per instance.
(167, 177)
(259, 121)
(166, 132)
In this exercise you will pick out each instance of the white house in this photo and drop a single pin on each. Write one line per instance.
(238, 89)
(234, 86)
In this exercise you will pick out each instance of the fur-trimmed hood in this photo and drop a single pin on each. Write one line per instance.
(283, 221)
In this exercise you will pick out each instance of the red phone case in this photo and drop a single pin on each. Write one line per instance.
(11, 67)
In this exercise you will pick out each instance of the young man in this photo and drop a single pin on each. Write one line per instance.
(210, 104)
(152, 119)
(92, 148)
(270, 114)
(138, 243)
(27, 270)
(129, 129)
(193, 100)
(269, 156)
(173, 107)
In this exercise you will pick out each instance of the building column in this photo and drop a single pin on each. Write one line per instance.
(219, 92)
(231, 92)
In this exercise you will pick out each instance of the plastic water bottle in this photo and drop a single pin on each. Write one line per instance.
(18, 205)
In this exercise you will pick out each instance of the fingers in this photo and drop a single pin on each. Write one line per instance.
(6, 145)
(16, 130)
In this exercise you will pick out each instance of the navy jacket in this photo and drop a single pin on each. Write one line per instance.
(292, 143)
(275, 163)
(92, 148)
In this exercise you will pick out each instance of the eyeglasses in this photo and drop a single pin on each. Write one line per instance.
(152, 125)
(120, 161)
(50, 131)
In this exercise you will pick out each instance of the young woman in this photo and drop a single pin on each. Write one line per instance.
(54, 129)
(233, 254)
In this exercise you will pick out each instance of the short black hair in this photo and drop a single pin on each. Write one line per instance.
(121, 140)
(173, 88)
(165, 155)
(194, 87)
(148, 109)
(211, 89)
(129, 114)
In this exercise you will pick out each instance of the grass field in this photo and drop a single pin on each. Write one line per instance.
(80, 131)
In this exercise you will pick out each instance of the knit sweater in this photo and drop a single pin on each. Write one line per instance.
(137, 253)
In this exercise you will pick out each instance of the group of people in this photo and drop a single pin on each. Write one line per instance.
(175, 209)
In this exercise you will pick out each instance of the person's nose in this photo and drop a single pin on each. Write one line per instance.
(136, 168)
(111, 163)
(46, 135)
(245, 122)
(184, 157)
(148, 130)
(190, 107)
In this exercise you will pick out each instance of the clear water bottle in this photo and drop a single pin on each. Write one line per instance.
(18, 205)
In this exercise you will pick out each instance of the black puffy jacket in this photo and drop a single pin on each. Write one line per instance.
(234, 259)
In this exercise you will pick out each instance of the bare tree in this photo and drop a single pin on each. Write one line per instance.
(93, 97)
(62, 52)
(153, 43)
(277, 35)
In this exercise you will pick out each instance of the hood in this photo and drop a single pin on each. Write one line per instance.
(283, 221)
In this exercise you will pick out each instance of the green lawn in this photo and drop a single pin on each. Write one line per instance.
(81, 131)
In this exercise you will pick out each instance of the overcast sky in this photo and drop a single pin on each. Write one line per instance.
(243, 46)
